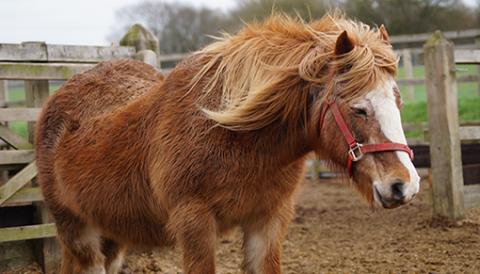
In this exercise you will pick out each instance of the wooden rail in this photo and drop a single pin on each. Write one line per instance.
(25, 196)
(471, 195)
(421, 81)
(417, 40)
(17, 182)
(40, 71)
(467, 56)
(41, 52)
(29, 232)
(19, 114)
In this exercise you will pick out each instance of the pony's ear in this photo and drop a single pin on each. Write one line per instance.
(344, 44)
(383, 34)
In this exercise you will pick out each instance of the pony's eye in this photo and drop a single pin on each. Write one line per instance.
(360, 112)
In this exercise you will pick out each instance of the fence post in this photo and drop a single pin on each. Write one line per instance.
(36, 93)
(47, 250)
(147, 56)
(3, 104)
(3, 93)
(445, 153)
(408, 66)
(142, 39)
(477, 46)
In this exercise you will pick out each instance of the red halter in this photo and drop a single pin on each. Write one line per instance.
(357, 150)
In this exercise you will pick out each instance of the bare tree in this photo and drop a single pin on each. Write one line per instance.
(249, 10)
(413, 16)
(477, 12)
(179, 27)
(183, 28)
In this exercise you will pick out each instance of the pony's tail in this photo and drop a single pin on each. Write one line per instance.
(53, 122)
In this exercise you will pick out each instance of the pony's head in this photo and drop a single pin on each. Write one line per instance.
(309, 78)
(360, 124)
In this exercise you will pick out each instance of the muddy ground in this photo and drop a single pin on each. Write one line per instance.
(335, 231)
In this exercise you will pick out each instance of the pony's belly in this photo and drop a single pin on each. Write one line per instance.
(130, 217)
(138, 232)
(137, 227)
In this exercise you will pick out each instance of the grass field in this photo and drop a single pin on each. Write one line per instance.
(468, 99)
(414, 111)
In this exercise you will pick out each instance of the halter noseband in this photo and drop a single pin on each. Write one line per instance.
(357, 150)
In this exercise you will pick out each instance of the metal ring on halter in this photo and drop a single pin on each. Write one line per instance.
(355, 152)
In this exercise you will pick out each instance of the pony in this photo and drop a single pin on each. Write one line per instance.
(129, 158)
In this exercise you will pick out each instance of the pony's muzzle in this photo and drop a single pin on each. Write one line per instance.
(397, 193)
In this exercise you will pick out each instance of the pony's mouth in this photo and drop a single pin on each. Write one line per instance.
(385, 203)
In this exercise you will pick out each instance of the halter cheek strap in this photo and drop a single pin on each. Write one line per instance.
(357, 150)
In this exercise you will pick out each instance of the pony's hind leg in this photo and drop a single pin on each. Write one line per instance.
(81, 247)
(113, 253)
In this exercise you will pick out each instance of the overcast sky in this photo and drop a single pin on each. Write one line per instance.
(81, 22)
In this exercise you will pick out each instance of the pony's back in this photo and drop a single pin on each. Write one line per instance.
(98, 91)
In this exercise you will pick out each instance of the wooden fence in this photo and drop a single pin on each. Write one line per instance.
(462, 39)
(449, 194)
(36, 63)
(409, 81)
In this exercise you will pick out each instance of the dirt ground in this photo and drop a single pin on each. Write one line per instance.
(335, 231)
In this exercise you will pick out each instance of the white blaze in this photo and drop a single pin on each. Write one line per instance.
(388, 116)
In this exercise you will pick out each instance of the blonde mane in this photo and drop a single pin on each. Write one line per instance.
(266, 71)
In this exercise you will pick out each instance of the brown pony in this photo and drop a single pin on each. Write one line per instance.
(128, 158)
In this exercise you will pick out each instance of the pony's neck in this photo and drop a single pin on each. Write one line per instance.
(281, 145)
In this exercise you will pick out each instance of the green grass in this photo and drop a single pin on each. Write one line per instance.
(469, 89)
(18, 94)
(415, 111)
(20, 128)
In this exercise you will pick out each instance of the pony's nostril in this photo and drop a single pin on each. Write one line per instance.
(397, 191)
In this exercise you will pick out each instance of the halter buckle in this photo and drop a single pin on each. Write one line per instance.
(355, 152)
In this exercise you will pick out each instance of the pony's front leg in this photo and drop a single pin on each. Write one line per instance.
(194, 228)
(263, 244)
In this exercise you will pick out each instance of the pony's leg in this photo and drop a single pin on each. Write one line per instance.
(68, 262)
(263, 244)
(81, 245)
(114, 253)
(194, 227)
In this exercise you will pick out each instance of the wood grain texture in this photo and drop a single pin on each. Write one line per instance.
(19, 114)
(41, 52)
(28, 232)
(13, 139)
(472, 195)
(408, 66)
(17, 182)
(447, 177)
(466, 56)
(8, 157)
(40, 71)
(24, 196)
